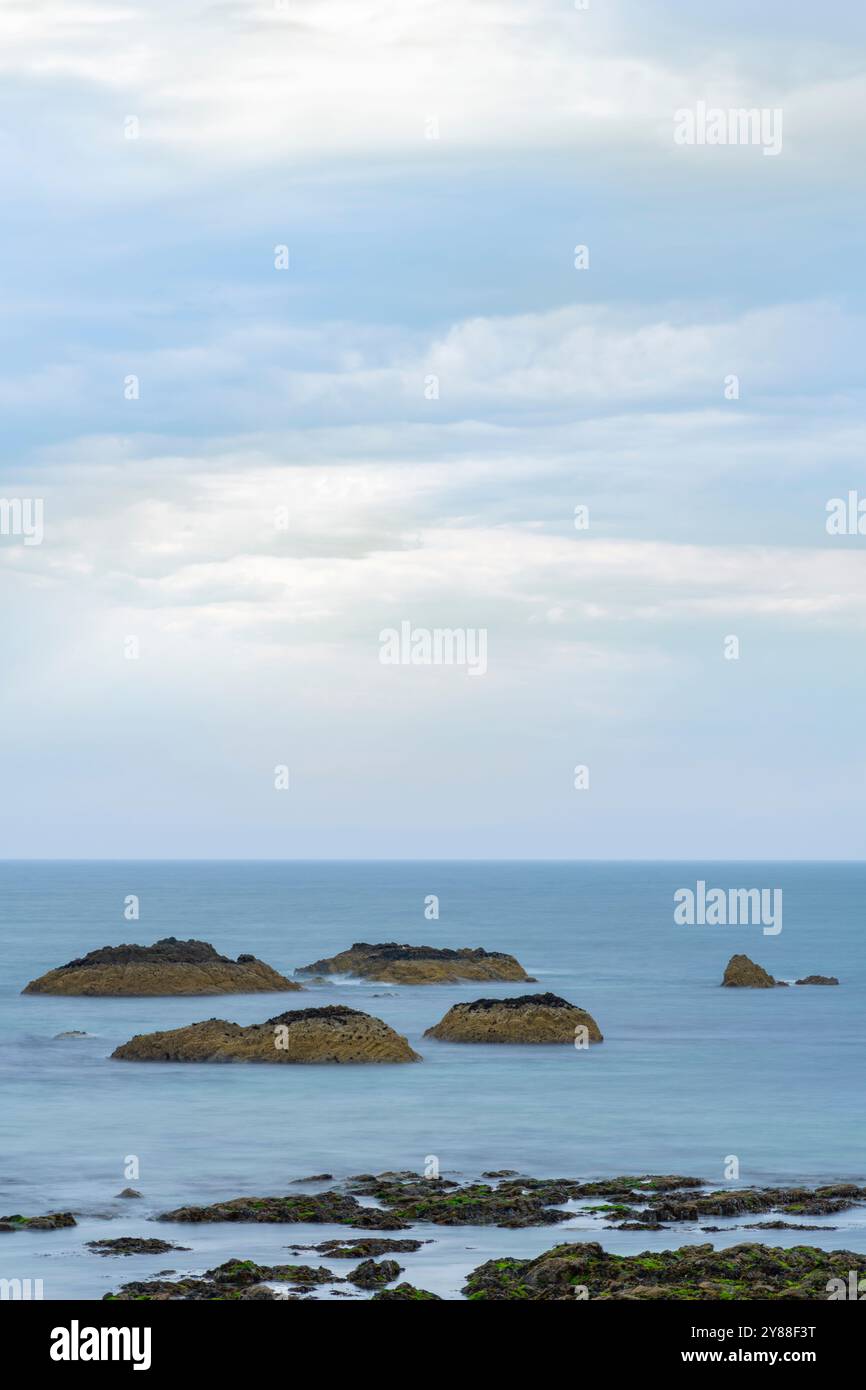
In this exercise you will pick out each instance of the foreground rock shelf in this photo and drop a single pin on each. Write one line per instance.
(167, 967)
(694, 1273)
(335, 1034)
(391, 963)
(528, 1018)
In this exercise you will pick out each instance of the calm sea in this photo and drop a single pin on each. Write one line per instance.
(690, 1075)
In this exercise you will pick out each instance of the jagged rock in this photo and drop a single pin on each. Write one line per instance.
(372, 1274)
(818, 980)
(333, 1034)
(167, 967)
(530, 1018)
(320, 1208)
(405, 1293)
(362, 1249)
(235, 1279)
(742, 973)
(417, 965)
(132, 1245)
(694, 1272)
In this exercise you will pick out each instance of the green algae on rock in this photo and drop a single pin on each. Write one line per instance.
(743, 973)
(329, 1035)
(168, 967)
(528, 1018)
(694, 1273)
(418, 965)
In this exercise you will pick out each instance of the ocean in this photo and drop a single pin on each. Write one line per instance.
(690, 1078)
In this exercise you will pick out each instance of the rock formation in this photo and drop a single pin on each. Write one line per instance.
(168, 966)
(530, 1018)
(742, 973)
(418, 965)
(334, 1034)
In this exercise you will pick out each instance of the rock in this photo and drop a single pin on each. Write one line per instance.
(500, 1173)
(694, 1272)
(73, 1033)
(742, 973)
(405, 1293)
(777, 1226)
(362, 1249)
(530, 1018)
(53, 1221)
(818, 980)
(372, 1275)
(236, 1279)
(320, 1208)
(132, 1245)
(128, 1192)
(417, 965)
(316, 1177)
(167, 967)
(333, 1034)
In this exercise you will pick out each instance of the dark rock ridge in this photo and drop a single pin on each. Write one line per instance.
(364, 1249)
(694, 1273)
(406, 1293)
(528, 1018)
(818, 980)
(132, 1245)
(629, 1203)
(168, 967)
(396, 964)
(327, 1035)
(236, 1279)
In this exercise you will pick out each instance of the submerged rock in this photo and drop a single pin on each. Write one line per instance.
(333, 1034)
(418, 965)
(743, 973)
(694, 1272)
(236, 1279)
(530, 1018)
(167, 967)
(128, 1192)
(132, 1245)
(319, 1208)
(406, 1293)
(818, 980)
(366, 1248)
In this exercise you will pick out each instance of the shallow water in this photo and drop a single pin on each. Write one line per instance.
(688, 1076)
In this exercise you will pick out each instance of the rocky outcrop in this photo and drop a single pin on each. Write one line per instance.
(372, 1274)
(418, 965)
(694, 1272)
(363, 1249)
(335, 1034)
(167, 967)
(742, 973)
(818, 980)
(530, 1018)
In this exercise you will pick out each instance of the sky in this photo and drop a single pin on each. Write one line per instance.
(294, 349)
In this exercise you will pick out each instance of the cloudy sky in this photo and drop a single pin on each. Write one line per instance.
(287, 483)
